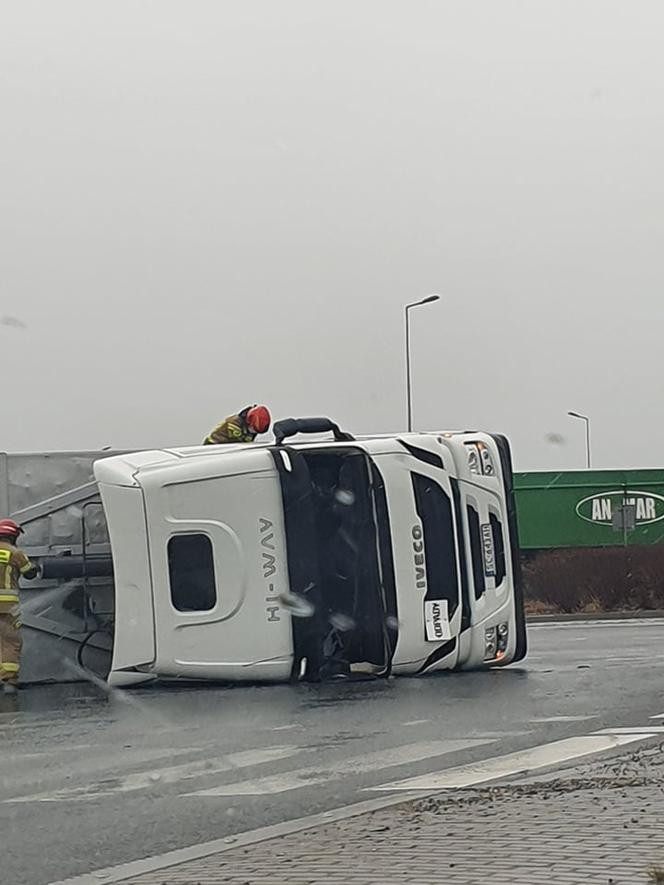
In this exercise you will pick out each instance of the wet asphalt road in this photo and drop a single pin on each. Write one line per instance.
(90, 781)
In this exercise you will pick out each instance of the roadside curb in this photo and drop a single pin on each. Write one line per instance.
(157, 863)
(597, 616)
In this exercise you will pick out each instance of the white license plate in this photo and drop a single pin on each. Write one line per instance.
(489, 551)
(436, 620)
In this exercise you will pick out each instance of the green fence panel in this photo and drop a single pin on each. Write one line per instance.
(584, 508)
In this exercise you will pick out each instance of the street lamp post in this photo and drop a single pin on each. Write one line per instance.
(586, 419)
(409, 391)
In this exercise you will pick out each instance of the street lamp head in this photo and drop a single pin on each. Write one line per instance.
(577, 415)
(422, 301)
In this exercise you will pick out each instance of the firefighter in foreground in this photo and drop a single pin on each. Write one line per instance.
(14, 564)
(241, 428)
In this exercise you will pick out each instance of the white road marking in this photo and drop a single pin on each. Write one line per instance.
(19, 754)
(656, 729)
(285, 727)
(156, 777)
(306, 777)
(595, 625)
(521, 762)
(636, 656)
(643, 664)
(564, 718)
(500, 735)
(599, 624)
(51, 773)
(658, 716)
(417, 722)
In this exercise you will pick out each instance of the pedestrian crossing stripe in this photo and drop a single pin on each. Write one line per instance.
(520, 763)
(359, 766)
(356, 765)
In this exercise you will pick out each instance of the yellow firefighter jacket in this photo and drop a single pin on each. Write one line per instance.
(13, 564)
(231, 430)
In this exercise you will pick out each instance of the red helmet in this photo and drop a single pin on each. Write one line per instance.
(259, 419)
(10, 529)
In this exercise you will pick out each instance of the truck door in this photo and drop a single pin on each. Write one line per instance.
(216, 547)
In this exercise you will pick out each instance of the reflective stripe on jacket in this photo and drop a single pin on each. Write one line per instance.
(231, 430)
(13, 564)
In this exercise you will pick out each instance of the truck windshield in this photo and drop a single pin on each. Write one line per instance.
(338, 558)
(434, 508)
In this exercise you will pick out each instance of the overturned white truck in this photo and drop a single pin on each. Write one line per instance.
(303, 559)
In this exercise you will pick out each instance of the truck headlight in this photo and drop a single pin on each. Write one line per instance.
(495, 642)
(480, 460)
(490, 643)
(488, 468)
(473, 459)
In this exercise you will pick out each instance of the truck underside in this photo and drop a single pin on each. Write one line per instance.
(67, 613)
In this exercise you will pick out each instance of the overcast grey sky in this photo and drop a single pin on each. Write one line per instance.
(206, 204)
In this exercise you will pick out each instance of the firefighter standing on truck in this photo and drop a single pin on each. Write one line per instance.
(14, 564)
(241, 428)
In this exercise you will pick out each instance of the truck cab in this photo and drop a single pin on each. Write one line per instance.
(313, 558)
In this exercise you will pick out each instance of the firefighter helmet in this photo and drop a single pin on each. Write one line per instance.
(259, 419)
(10, 529)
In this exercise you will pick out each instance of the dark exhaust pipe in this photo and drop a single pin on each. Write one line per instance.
(69, 567)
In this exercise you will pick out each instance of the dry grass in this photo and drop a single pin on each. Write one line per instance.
(656, 875)
(594, 580)
(537, 607)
